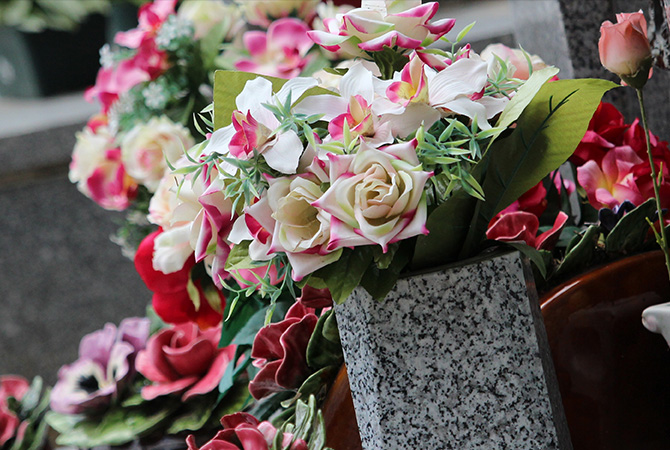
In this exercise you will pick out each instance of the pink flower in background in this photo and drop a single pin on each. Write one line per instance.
(281, 52)
(105, 365)
(97, 168)
(516, 57)
(624, 47)
(263, 13)
(613, 181)
(150, 17)
(183, 359)
(362, 30)
(242, 431)
(16, 387)
(279, 351)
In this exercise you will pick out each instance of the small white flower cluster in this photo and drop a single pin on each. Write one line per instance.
(106, 56)
(155, 96)
(172, 30)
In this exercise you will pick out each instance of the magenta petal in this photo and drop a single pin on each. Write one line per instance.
(238, 418)
(293, 368)
(213, 375)
(266, 343)
(548, 239)
(156, 390)
(515, 226)
(192, 359)
(151, 363)
(264, 382)
(255, 42)
(440, 27)
(251, 438)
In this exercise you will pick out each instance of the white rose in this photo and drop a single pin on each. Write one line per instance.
(207, 14)
(146, 147)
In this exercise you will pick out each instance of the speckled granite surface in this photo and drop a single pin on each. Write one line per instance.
(452, 360)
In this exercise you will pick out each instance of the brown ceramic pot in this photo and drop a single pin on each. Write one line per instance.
(614, 375)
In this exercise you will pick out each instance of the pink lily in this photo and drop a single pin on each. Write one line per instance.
(281, 52)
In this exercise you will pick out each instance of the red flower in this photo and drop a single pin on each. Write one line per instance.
(242, 431)
(183, 358)
(280, 349)
(171, 300)
(10, 386)
(523, 226)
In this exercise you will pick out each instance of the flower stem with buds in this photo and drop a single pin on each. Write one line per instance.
(661, 237)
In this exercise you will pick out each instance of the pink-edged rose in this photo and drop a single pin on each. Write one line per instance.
(364, 30)
(97, 168)
(624, 46)
(242, 431)
(279, 351)
(376, 196)
(183, 360)
(281, 52)
(148, 147)
(16, 387)
(516, 57)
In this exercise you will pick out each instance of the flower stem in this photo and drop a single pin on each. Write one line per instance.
(663, 241)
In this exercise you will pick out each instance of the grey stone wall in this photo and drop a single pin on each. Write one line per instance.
(60, 275)
(565, 33)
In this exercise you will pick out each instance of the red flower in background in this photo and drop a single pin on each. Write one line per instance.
(612, 162)
(242, 431)
(172, 300)
(183, 359)
(10, 386)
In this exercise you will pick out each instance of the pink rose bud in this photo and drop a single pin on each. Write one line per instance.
(624, 48)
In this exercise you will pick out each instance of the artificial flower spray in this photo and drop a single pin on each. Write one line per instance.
(625, 50)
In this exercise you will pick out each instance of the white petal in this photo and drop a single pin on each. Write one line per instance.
(255, 93)
(285, 154)
(219, 141)
(172, 249)
(357, 81)
(297, 87)
(330, 106)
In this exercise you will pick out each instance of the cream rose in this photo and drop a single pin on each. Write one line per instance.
(208, 14)
(375, 196)
(146, 147)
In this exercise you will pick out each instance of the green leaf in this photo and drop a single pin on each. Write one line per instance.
(227, 86)
(244, 311)
(324, 348)
(247, 333)
(580, 254)
(377, 281)
(630, 232)
(118, 426)
(317, 383)
(342, 276)
(524, 96)
(546, 134)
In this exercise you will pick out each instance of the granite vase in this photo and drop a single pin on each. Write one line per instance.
(456, 358)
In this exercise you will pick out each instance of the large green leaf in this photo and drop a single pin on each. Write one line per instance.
(227, 86)
(324, 348)
(546, 134)
(346, 273)
(631, 231)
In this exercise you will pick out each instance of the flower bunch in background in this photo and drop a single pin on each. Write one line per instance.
(22, 409)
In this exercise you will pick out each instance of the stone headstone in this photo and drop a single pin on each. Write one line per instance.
(565, 33)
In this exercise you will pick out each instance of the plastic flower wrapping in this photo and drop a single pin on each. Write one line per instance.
(274, 156)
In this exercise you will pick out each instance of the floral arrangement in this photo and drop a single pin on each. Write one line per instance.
(334, 148)
(37, 15)
(22, 409)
